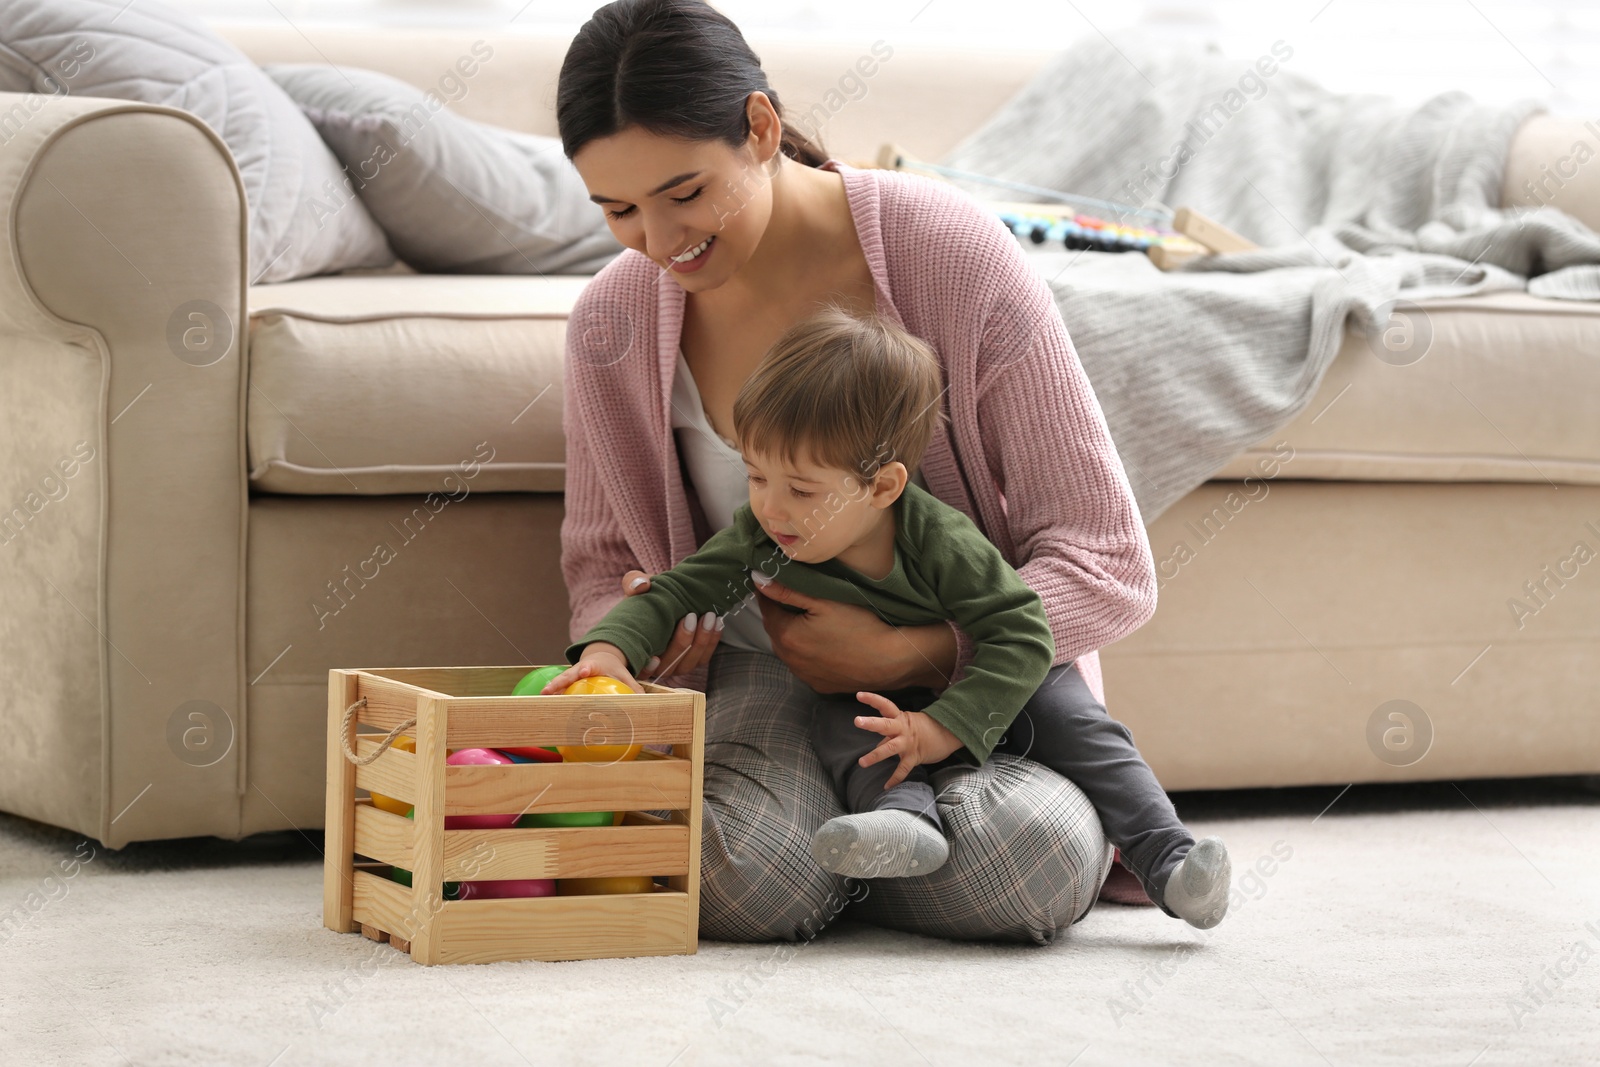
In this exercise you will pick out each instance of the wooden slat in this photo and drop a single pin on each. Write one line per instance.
(594, 719)
(339, 812)
(394, 774)
(385, 904)
(389, 703)
(689, 882)
(537, 787)
(474, 681)
(456, 681)
(566, 852)
(564, 928)
(1209, 232)
(1171, 256)
(383, 835)
(427, 843)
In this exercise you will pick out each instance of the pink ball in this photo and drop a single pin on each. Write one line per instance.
(468, 757)
(507, 887)
(464, 757)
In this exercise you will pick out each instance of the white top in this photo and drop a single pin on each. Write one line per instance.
(717, 472)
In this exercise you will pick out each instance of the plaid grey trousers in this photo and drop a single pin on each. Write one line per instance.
(1027, 855)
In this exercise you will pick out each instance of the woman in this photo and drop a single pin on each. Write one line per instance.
(735, 228)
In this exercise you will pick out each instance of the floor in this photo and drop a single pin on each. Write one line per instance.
(1440, 924)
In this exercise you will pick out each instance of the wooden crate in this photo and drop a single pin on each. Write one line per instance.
(465, 707)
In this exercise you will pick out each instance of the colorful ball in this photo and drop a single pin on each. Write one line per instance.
(535, 680)
(390, 804)
(452, 890)
(628, 883)
(502, 888)
(478, 757)
(566, 818)
(532, 754)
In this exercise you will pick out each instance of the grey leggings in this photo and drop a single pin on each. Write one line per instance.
(1063, 727)
(1027, 855)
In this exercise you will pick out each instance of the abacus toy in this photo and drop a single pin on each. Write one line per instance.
(1168, 237)
(1061, 224)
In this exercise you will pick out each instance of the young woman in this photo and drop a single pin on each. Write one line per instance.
(736, 227)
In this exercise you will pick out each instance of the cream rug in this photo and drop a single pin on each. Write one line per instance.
(1417, 924)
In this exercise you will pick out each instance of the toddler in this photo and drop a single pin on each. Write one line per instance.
(831, 426)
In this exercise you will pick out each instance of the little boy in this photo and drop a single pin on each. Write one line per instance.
(831, 425)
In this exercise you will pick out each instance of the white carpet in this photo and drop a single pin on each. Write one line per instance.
(1406, 925)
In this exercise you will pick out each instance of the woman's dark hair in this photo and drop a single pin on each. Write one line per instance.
(674, 67)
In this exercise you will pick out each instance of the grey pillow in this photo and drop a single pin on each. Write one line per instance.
(453, 195)
(300, 224)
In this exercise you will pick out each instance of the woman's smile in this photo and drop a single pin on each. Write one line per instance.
(693, 259)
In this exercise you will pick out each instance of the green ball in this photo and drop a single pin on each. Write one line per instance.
(534, 681)
(452, 890)
(566, 818)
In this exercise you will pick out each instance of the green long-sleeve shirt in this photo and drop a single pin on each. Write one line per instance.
(944, 568)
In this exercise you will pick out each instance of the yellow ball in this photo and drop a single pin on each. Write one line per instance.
(399, 807)
(628, 883)
(598, 753)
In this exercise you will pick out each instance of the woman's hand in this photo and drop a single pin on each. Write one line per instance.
(693, 641)
(599, 657)
(841, 648)
(915, 736)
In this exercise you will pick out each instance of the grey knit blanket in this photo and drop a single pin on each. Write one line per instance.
(1360, 204)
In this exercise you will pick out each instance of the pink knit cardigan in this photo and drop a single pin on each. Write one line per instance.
(1026, 455)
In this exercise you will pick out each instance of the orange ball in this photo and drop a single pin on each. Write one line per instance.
(598, 683)
(627, 883)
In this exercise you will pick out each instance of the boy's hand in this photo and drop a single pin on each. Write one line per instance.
(599, 657)
(914, 736)
(693, 640)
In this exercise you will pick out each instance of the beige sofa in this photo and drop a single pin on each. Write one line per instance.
(369, 472)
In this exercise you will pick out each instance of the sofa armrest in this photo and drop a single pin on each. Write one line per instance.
(122, 469)
(1546, 165)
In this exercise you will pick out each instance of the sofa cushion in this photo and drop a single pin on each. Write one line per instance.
(850, 94)
(302, 219)
(399, 384)
(1506, 389)
(453, 195)
(387, 384)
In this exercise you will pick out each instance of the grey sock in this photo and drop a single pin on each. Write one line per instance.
(887, 843)
(1199, 886)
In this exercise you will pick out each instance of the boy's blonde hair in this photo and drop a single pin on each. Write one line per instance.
(846, 391)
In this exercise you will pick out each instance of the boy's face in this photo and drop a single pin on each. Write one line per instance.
(813, 512)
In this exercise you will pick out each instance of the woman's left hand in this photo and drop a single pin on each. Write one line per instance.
(836, 647)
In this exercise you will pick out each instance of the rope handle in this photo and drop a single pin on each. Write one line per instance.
(344, 736)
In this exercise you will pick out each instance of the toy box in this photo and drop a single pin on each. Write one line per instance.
(466, 707)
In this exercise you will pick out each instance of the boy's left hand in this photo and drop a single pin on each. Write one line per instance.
(914, 736)
(598, 658)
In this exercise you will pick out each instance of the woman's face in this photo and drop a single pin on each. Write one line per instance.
(668, 197)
